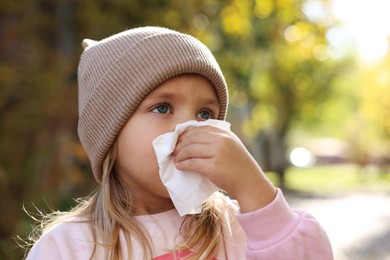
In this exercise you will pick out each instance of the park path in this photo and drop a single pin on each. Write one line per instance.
(358, 224)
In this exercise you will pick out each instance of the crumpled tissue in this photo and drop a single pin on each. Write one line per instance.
(188, 190)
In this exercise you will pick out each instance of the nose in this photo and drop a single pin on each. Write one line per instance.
(185, 117)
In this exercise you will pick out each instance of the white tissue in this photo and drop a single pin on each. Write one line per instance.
(188, 190)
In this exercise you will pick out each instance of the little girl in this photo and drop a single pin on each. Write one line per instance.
(133, 87)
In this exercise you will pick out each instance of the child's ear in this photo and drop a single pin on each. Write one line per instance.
(88, 43)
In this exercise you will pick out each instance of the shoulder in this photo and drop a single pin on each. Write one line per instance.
(75, 229)
(67, 240)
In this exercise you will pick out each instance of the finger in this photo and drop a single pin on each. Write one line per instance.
(200, 129)
(191, 138)
(198, 165)
(201, 134)
(193, 151)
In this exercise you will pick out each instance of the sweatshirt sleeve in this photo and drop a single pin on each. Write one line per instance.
(277, 232)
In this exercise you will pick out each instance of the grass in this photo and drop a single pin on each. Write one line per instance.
(335, 178)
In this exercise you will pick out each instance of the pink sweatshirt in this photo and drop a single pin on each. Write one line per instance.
(273, 232)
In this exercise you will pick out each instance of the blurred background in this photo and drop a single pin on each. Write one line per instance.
(309, 86)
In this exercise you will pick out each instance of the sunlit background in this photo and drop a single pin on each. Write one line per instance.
(309, 85)
(365, 25)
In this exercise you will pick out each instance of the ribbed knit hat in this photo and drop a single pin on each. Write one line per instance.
(117, 73)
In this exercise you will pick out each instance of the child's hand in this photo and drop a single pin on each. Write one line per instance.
(220, 156)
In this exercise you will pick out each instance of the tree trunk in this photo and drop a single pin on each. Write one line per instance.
(272, 156)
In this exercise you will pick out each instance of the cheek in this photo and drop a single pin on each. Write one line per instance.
(136, 154)
(135, 149)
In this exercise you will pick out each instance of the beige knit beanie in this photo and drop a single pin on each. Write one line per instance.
(117, 73)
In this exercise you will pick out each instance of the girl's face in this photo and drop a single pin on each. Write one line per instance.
(180, 99)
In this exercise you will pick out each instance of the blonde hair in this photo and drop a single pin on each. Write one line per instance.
(107, 209)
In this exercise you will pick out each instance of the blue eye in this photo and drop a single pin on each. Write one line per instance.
(205, 114)
(162, 109)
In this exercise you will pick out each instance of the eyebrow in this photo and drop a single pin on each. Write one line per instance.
(167, 95)
(211, 101)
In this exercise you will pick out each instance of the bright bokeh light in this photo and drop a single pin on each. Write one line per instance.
(367, 22)
(301, 157)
